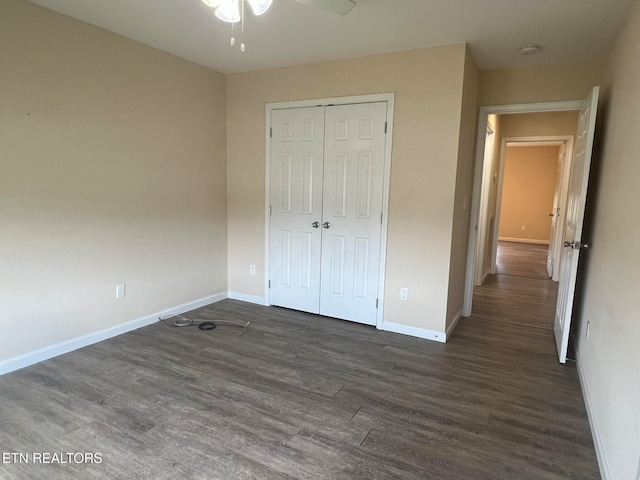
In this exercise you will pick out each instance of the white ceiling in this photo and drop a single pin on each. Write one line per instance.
(291, 33)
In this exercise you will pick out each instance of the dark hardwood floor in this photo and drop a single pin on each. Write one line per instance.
(520, 292)
(522, 259)
(307, 397)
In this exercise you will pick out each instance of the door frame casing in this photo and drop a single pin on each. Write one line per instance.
(389, 98)
(480, 275)
(485, 111)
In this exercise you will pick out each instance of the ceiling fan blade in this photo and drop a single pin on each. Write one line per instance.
(341, 7)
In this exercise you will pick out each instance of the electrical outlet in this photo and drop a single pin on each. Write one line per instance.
(252, 269)
(404, 293)
(523, 227)
(121, 291)
(588, 330)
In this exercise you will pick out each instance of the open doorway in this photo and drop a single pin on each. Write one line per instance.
(524, 185)
(532, 195)
(572, 241)
(521, 229)
(531, 185)
(510, 127)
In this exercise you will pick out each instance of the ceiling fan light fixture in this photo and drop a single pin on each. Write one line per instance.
(529, 49)
(260, 6)
(229, 11)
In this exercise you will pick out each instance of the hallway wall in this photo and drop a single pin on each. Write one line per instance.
(529, 184)
(609, 360)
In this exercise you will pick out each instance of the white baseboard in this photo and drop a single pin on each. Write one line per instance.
(45, 353)
(415, 331)
(605, 472)
(243, 297)
(453, 325)
(523, 240)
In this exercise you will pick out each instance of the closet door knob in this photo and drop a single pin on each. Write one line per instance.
(326, 225)
(315, 224)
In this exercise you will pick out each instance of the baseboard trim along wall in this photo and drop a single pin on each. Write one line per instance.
(593, 422)
(30, 358)
(243, 297)
(524, 240)
(415, 331)
(453, 325)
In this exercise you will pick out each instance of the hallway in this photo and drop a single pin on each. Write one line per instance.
(511, 330)
(520, 292)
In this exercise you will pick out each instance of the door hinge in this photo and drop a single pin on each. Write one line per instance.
(269, 283)
(269, 210)
(270, 132)
(385, 127)
(376, 303)
(380, 217)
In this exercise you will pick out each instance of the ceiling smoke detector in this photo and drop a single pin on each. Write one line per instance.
(529, 49)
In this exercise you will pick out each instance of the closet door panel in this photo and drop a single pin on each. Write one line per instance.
(297, 147)
(352, 207)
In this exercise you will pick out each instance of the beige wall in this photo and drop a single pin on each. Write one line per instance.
(464, 188)
(428, 87)
(112, 171)
(529, 183)
(544, 83)
(539, 124)
(610, 358)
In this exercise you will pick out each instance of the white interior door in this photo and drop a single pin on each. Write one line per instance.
(326, 200)
(484, 229)
(297, 145)
(555, 215)
(577, 194)
(352, 210)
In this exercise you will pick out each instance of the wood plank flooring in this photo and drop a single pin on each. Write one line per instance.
(306, 397)
(520, 292)
(523, 259)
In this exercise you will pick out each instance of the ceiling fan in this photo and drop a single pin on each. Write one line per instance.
(229, 10)
(232, 11)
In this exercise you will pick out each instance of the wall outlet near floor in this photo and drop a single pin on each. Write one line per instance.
(252, 269)
(121, 290)
(404, 293)
(523, 228)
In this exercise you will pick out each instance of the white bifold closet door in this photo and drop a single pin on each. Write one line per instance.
(327, 178)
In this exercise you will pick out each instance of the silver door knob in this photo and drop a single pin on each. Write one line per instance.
(568, 244)
(326, 225)
(315, 224)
